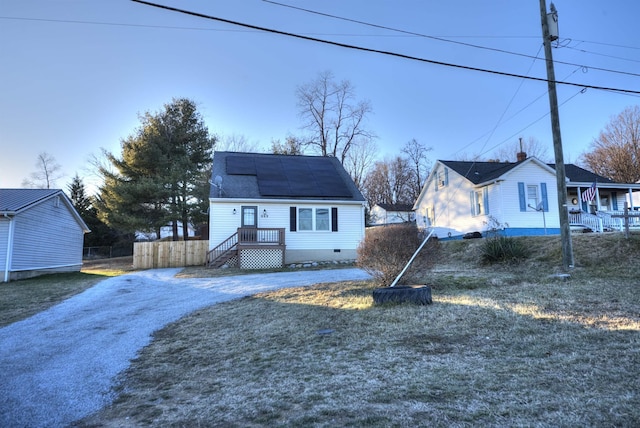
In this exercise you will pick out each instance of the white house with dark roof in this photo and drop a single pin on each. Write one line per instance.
(382, 214)
(520, 198)
(268, 210)
(40, 232)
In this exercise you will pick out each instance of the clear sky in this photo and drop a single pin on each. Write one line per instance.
(75, 74)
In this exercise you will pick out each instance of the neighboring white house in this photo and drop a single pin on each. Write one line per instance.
(40, 232)
(268, 210)
(519, 198)
(382, 214)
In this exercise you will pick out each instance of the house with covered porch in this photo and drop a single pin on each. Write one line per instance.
(518, 198)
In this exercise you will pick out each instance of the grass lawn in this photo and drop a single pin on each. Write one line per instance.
(500, 346)
(24, 298)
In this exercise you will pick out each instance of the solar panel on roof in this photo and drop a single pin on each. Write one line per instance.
(241, 165)
(291, 176)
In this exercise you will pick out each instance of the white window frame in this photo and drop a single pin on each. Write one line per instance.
(478, 202)
(316, 223)
(535, 200)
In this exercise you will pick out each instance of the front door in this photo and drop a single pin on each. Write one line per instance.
(249, 216)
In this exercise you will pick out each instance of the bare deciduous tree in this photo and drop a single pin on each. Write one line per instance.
(359, 161)
(531, 146)
(615, 154)
(333, 117)
(291, 146)
(46, 174)
(420, 165)
(237, 143)
(389, 182)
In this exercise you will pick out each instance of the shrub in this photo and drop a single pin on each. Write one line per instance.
(385, 251)
(497, 249)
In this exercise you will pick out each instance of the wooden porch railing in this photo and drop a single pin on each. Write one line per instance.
(603, 220)
(260, 236)
(245, 237)
(224, 251)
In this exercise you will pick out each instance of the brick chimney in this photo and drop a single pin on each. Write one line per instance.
(521, 155)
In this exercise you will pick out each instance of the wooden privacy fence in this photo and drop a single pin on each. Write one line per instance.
(165, 254)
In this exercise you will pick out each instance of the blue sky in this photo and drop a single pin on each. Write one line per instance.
(74, 75)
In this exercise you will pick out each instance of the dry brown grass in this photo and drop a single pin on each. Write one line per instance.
(500, 346)
(24, 298)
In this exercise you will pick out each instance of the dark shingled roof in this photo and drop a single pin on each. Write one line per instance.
(269, 176)
(481, 172)
(577, 174)
(396, 207)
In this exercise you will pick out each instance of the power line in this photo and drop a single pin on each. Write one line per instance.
(408, 34)
(411, 33)
(381, 52)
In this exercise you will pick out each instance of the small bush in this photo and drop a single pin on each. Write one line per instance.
(385, 251)
(499, 249)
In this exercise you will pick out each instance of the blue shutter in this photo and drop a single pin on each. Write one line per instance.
(614, 201)
(522, 196)
(485, 197)
(446, 176)
(584, 206)
(471, 200)
(545, 201)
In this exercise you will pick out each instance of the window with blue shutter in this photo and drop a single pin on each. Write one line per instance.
(545, 201)
(485, 197)
(614, 201)
(522, 196)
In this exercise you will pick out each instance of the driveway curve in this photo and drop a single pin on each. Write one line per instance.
(61, 364)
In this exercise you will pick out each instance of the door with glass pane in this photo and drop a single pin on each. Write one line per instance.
(249, 224)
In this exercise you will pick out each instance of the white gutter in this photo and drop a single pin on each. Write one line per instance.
(9, 254)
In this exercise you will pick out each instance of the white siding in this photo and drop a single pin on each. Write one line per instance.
(529, 174)
(45, 236)
(223, 224)
(452, 204)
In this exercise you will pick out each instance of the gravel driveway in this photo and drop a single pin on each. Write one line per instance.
(61, 364)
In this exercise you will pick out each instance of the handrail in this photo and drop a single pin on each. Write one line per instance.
(260, 236)
(227, 245)
(246, 236)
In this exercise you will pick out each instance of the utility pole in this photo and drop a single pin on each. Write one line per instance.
(565, 230)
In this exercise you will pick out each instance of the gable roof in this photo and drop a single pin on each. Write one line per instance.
(14, 201)
(269, 176)
(576, 174)
(396, 207)
(482, 172)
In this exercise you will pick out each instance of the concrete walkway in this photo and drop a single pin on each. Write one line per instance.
(61, 364)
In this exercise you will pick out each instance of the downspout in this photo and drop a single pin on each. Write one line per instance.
(9, 253)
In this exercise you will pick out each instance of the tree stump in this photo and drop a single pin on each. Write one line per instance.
(416, 294)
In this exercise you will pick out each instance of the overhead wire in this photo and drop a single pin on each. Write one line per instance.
(415, 34)
(377, 51)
